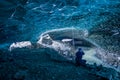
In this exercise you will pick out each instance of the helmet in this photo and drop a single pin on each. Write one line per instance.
(80, 49)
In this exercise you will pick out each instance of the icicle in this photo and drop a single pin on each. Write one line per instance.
(73, 43)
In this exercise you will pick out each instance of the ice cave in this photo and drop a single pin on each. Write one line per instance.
(39, 39)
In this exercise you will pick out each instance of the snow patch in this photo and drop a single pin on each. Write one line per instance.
(66, 40)
(22, 44)
(91, 58)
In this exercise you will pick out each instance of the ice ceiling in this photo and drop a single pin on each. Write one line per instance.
(27, 19)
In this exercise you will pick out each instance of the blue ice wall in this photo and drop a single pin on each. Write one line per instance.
(27, 19)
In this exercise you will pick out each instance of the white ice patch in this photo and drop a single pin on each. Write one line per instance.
(118, 58)
(66, 40)
(22, 44)
(59, 46)
(56, 46)
(46, 40)
(91, 58)
(85, 33)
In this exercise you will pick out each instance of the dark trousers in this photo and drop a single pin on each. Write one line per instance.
(80, 62)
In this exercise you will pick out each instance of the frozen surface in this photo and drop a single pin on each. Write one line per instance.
(94, 54)
(94, 24)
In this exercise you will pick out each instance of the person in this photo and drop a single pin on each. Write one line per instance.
(78, 59)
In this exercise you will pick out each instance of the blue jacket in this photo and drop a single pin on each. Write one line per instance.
(79, 54)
